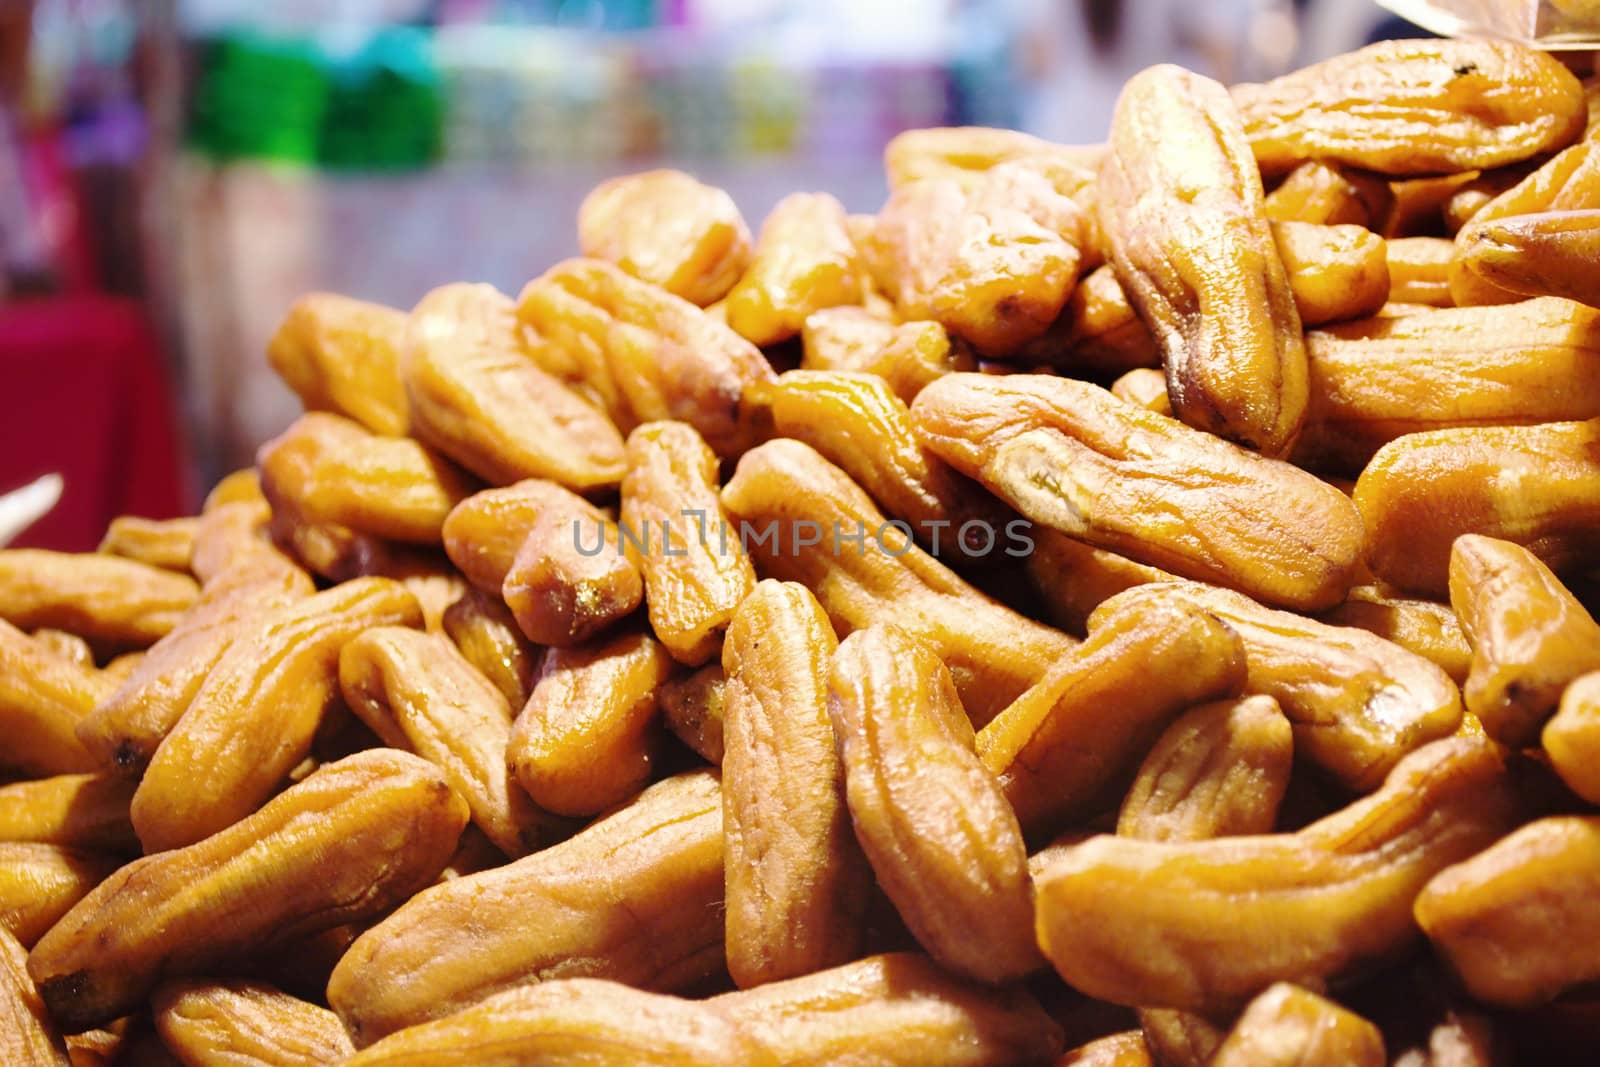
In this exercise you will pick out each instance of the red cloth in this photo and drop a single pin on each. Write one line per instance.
(83, 392)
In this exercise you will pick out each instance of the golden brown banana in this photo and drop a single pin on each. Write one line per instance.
(1552, 253)
(664, 227)
(644, 353)
(343, 355)
(28, 1037)
(576, 1021)
(1378, 379)
(894, 1010)
(87, 811)
(477, 395)
(992, 260)
(1532, 485)
(1358, 703)
(695, 569)
(930, 816)
(331, 471)
(1220, 770)
(1288, 1026)
(1203, 271)
(482, 628)
(1143, 922)
(256, 713)
(248, 1024)
(350, 842)
(40, 883)
(804, 262)
(1057, 748)
(1529, 635)
(164, 543)
(1517, 921)
(1329, 194)
(417, 693)
(797, 884)
(1072, 457)
(1572, 737)
(1416, 107)
(117, 602)
(587, 738)
(803, 520)
(44, 698)
(636, 898)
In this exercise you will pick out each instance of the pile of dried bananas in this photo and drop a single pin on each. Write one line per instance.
(783, 651)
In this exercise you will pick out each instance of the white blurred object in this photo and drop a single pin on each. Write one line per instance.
(1331, 28)
(23, 507)
(24, 245)
(1551, 24)
(291, 16)
(1077, 80)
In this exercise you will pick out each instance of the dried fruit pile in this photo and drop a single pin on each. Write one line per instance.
(574, 683)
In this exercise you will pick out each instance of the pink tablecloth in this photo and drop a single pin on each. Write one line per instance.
(83, 391)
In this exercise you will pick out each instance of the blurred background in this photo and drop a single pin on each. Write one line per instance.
(174, 172)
